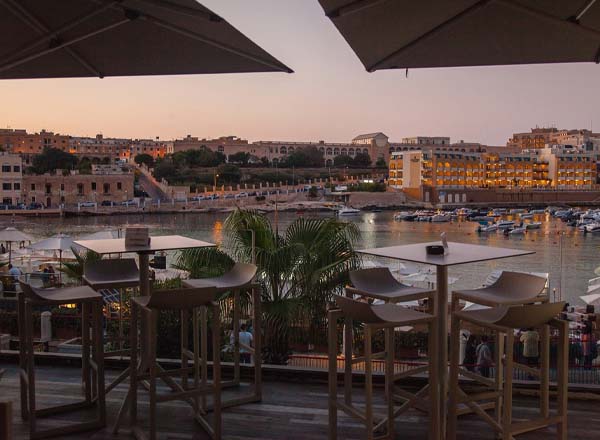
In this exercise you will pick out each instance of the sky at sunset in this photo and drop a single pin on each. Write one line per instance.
(330, 96)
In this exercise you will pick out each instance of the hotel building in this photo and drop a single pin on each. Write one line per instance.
(556, 166)
(11, 178)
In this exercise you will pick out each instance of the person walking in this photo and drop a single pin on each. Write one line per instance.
(484, 357)
(470, 359)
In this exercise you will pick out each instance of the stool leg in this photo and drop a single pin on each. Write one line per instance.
(236, 337)
(256, 298)
(545, 371)
(21, 323)
(498, 378)
(216, 330)
(85, 351)
(332, 352)
(454, 378)
(98, 356)
(348, 358)
(368, 383)
(133, 364)
(197, 369)
(184, 316)
(389, 379)
(562, 379)
(203, 349)
(30, 368)
(152, 324)
(508, 380)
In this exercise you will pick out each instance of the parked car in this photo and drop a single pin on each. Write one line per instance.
(107, 203)
(35, 205)
(197, 198)
(129, 202)
(229, 196)
(240, 195)
(87, 204)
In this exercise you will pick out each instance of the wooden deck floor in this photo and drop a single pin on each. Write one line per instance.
(288, 411)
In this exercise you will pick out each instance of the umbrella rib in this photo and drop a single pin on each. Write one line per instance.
(61, 45)
(47, 34)
(184, 10)
(211, 42)
(353, 7)
(432, 32)
(584, 9)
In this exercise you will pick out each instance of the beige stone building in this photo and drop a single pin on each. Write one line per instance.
(69, 190)
(11, 178)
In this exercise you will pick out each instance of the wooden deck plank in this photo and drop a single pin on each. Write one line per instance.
(290, 411)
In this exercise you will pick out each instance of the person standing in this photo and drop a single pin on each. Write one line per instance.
(246, 340)
(531, 352)
(470, 353)
(484, 357)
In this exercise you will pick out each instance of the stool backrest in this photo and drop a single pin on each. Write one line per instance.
(357, 310)
(532, 315)
(30, 292)
(523, 285)
(239, 275)
(374, 279)
(184, 298)
(110, 269)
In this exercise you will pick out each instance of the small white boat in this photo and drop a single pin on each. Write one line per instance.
(537, 211)
(403, 215)
(489, 228)
(533, 225)
(517, 211)
(348, 211)
(520, 230)
(526, 216)
(440, 218)
(593, 228)
(505, 224)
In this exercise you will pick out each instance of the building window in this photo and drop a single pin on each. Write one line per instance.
(93, 186)
(80, 189)
(6, 168)
(17, 168)
(48, 188)
(62, 186)
(33, 187)
(6, 186)
(17, 186)
(119, 186)
(106, 188)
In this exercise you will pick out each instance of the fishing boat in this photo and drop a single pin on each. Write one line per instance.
(592, 228)
(346, 210)
(404, 215)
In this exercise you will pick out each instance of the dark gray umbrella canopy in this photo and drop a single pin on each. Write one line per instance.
(398, 34)
(79, 38)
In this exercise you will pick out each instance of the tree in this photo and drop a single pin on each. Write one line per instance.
(299, 270)
(381, 163)
(313, 192)
(342, 161)
(229, 173)
(240, 158)
(305, 157)
(84, 166)
(145, 159)
(51, 159)
(362, 160)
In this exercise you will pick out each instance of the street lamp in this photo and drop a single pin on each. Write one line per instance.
(215, 179)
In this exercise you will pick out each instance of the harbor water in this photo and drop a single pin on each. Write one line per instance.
(568, 255)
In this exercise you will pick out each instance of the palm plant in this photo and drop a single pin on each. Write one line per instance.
(74, 269)
(298, 270)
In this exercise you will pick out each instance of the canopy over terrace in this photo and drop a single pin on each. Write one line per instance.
(390, 34)
(79, 38)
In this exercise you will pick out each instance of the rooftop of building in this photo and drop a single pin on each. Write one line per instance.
(361, 137)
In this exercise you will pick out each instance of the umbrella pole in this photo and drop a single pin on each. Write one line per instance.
(9, 252)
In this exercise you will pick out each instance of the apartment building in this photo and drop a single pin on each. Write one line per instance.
(540, 137)
(18, 141)
(11, 178)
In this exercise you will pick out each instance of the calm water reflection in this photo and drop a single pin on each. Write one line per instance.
(579, 252)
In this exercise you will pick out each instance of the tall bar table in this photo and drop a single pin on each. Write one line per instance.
(158, 243)
(456, 254)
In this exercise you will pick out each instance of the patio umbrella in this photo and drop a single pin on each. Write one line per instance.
(59, 242)
(13, 235)
(79, 38)
(592, 300)
(388, 34)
